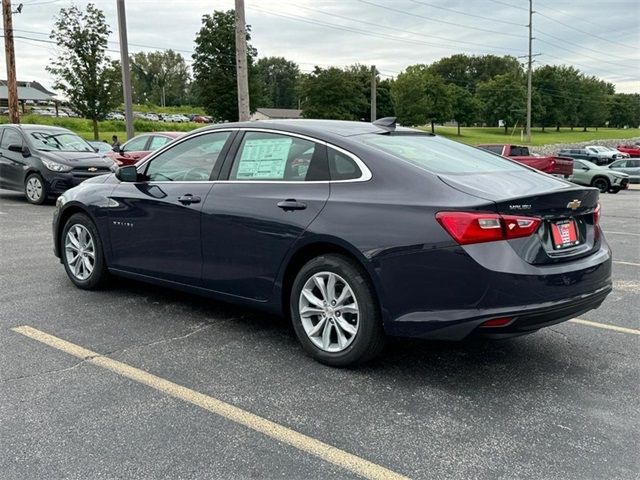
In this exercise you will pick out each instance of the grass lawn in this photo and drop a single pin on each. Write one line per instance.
(470, 135)
(476, 135)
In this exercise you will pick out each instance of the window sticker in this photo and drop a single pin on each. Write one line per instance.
(264, 159)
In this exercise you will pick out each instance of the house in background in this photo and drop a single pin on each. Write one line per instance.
(28, 92)
(276, 113)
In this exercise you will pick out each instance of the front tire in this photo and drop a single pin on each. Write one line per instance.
(601, 184)
(35, 189)
(82, 253)
(335, 313)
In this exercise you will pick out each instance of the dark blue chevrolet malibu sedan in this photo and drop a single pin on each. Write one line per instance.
(354, 230)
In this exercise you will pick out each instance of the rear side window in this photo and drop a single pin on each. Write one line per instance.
(157, 142)
(519, 151)
(493, 148)
(275, 157)
(10, 137)
(342, 167)
(439, 155)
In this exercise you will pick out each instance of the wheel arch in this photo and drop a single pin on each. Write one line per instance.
(311, 249)
(65, 214)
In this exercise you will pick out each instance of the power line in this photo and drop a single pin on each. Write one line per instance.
(509, 5)
(459, 25)
(581, 46)
(582, 31)
(455, 44)
(468, 14)
(619, 65)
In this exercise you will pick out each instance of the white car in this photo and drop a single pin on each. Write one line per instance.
(114, 116)
(603, 153)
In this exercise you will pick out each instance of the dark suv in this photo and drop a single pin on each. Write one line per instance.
(44, 161)
(581, 154)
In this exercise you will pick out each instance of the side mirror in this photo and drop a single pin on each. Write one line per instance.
(23, 149)
(128, 173)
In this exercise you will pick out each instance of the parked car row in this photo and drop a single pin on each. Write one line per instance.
(163, 117)
(601, 155)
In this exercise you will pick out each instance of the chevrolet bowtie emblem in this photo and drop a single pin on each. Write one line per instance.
(94, 169)
(574, 204)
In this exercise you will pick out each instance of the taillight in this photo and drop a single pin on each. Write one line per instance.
(470, 227)
(596, 216)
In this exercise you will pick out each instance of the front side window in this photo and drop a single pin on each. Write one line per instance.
(620, 164)
(189, 161)
(10, 137)
(276, 157)
(439, 155)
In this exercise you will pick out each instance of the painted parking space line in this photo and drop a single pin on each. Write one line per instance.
(619, 262)
(278, 432)
(622, 233)
(606, 326)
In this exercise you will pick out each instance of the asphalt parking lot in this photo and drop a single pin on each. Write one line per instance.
(175, 386)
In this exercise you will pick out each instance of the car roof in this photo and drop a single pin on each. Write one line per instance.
(32, 126)
(324, 128)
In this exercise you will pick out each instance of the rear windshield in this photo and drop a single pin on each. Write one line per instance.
(439, 155)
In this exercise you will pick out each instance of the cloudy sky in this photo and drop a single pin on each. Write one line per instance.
(599, 37)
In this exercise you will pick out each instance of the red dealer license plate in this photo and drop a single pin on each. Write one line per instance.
(565, 234)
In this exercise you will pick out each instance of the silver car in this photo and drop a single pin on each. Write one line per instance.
(603, 154)
(630, 166)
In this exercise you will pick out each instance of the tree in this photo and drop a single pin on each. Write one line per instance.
(464, 106)
(333, 93)
(420, 97)
(278, 79)
(384, 104)
(468, 71)
(592, 102)
(624, 110)
(160, 78)
(503, 98)
(214, 67)
(81, 69)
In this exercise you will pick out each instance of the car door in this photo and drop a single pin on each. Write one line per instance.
(273, 185)
(12, 164)
(581, 173)
(154, 223)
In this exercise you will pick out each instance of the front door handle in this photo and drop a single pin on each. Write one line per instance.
(188, 199)
(291, 204)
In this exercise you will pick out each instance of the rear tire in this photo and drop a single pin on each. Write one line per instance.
(35, 189)
(81, 251)
(601, 183)
(341, 323)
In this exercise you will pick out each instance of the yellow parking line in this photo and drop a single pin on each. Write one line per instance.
(607, 326)
(627, 263)
(326, 452)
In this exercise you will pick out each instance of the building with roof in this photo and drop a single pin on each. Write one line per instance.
(276, 113)
(27, 92)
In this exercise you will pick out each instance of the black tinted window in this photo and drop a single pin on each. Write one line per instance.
(493, 148)
(519, 151)
(437, 154)
(11, 137)
(342, 167)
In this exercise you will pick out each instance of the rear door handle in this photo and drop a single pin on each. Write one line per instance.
(188, 199)
(291, 204)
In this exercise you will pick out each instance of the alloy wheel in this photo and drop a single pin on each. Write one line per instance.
(329, 312)
(34, 189)
(601, 184)
(80, 251)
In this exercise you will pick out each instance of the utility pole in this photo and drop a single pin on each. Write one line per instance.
(126, 71)
(241, 63)
(529, 73)
(12, 84)
(374, 81)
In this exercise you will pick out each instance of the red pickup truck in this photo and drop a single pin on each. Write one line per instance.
(562, 166)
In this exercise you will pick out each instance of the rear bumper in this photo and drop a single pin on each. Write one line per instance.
(489, 281)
